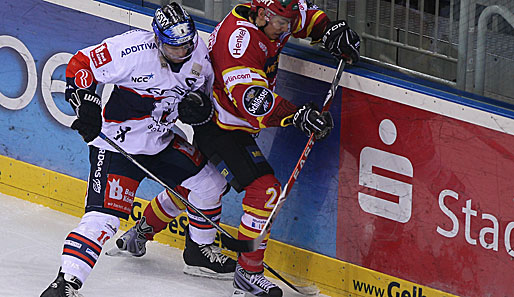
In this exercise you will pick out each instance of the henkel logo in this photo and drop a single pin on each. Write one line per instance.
(238, 42)
(395, 202)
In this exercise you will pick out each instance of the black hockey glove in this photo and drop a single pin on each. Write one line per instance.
(342, 42)
(195, 109)
(309, 120)
(87, 106)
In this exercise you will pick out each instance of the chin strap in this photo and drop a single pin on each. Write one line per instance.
(261, 27)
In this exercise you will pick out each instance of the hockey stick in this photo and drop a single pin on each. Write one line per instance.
(227, 239)
(253, 245)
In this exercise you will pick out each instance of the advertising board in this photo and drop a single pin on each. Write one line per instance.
(426, 197)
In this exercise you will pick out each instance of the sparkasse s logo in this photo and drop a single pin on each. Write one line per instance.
(370, 158)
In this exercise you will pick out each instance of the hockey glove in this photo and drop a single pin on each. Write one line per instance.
(87, 106)
(342, 42)
(195, 109)
(309, 120)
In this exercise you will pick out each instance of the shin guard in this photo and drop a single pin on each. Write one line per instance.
(259, 200)
(163, 209)
(83, 245)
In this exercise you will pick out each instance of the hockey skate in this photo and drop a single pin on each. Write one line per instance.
(63, 286)
(206, 260)
(248, 284)
(134, 240)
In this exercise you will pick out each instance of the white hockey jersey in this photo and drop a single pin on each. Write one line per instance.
(143, 106)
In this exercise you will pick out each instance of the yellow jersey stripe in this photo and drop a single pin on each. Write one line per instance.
(259, 71)
(259, 212)
(251, 234)
(313, 21)
(163, 217)
(232, 128)
(176, 200)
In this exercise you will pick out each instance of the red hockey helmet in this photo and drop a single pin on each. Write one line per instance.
(288, 9)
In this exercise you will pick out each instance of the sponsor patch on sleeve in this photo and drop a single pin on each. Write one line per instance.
(83, 78)
(100, 55)
(258, 101)
(238, 42)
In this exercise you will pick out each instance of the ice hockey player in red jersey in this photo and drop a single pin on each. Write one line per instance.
(152, 73)
(244, 50)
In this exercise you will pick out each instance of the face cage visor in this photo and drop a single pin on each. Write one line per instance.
(279, 22)
(178, 53)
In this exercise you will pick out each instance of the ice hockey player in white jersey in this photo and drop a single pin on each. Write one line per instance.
(152, 73)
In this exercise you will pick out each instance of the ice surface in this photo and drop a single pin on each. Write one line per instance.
(31, 238)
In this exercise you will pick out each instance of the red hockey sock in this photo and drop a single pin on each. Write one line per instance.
(163, 209)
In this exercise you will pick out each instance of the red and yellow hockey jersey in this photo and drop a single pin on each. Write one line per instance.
(245, 63)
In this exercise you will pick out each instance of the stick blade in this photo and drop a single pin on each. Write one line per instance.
(308, 290)
(240, 246)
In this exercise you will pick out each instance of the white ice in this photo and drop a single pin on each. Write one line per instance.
(31, 239)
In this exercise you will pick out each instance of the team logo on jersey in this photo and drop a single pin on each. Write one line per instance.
(164, 114)
(143, 78)
(238, 42)
(100, 55)
(258, 101)
(83, 78)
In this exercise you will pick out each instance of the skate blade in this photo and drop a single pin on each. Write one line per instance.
(240, 293)
(204, 272)
(116, 252)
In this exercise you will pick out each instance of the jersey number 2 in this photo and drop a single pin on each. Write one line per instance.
(272, 200)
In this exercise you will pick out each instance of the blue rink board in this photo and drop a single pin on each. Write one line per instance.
(308, 218)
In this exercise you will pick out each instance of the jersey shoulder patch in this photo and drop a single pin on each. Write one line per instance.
(238, 42)
(100, 55)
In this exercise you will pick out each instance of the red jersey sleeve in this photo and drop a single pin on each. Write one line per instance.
(79, 73)
(312, 23)
(245, 81)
